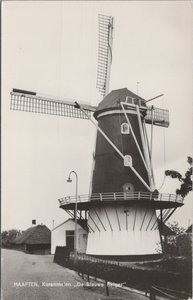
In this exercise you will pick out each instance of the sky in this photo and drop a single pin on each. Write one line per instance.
(50, 47)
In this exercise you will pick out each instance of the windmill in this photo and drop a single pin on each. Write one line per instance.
(120, 209)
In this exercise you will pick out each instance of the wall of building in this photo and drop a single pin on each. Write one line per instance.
(134, 234)
(110, 174)
(38, 249)
(20, 247)
(58, 236)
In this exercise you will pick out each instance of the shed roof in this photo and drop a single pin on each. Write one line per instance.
(81, 222)
(39, 234)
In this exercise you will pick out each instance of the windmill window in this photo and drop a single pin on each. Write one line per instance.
(124, 128)
(128, 161)
(128, 187)
(128, 190)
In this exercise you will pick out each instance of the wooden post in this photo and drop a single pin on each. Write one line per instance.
(152, 294)
(161, 229)
(106, 286)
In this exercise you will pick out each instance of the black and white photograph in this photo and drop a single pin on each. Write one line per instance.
(96, 150)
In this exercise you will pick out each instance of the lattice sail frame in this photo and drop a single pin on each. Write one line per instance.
(159, 116)
(105, 39)
(66, 108)
(38, 104)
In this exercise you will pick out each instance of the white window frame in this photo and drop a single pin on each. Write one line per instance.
(128, 184)
(123, 130)
(128, 162)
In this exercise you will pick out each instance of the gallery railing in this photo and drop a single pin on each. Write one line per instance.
(121, 196)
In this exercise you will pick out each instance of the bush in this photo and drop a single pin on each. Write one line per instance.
(8, 236)
(184, 244)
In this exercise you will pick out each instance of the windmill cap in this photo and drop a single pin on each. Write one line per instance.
(113, 99)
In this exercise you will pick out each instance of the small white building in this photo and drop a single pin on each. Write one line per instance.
(63, 235)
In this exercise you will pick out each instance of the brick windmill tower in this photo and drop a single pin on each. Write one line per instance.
(120, 210)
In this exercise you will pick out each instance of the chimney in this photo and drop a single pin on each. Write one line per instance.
(33, 222)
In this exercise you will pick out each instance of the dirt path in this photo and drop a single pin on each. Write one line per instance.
(36, 277)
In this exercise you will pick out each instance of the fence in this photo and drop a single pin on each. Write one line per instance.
(156, 292)
(144, 279)
(85, 257)
(119, 196)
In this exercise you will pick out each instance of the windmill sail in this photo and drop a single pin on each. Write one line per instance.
(158, 116)
(31, 102)
(104, 53)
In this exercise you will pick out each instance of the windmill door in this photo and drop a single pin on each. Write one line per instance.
(70, 240)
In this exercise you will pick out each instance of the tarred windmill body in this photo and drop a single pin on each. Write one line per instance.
(121, 208)
(120, 230)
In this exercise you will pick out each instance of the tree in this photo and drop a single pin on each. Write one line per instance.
(176, 228)
(180, 244)
(7, 237)
(186, 185)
